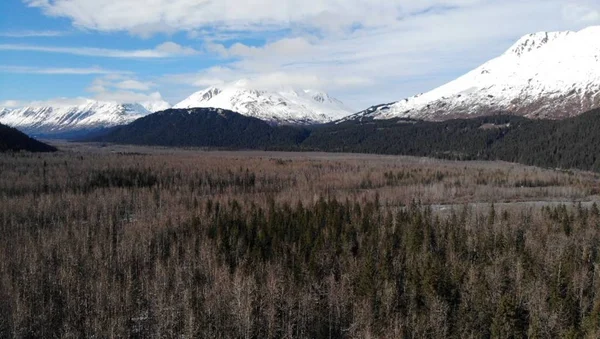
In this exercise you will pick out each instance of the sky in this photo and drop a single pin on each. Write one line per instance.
(363, 52)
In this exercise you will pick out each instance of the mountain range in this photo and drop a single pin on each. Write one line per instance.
(548, 75)
(568, 143)
(72, 120)
(282, 107)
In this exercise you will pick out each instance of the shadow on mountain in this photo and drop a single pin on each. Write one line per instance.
(13, 140)
(205, 127)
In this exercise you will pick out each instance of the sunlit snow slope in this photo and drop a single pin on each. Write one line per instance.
(86, 116)
(543, 75)
(281, 107)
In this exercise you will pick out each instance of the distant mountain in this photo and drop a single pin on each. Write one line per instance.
(291, 107)
(543, 75)
(12, 139)
(76, 120)
(155, 106)
(205, 127)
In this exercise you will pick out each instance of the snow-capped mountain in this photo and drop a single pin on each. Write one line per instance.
(281, 107)
(155, 106)
(69, 119)
(543, 75)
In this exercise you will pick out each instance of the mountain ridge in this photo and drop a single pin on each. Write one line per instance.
(86, 116)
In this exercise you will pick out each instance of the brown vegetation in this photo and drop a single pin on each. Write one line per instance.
(267, 245)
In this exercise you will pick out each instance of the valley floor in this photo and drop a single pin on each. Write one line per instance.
(118, 241)
(398, 180)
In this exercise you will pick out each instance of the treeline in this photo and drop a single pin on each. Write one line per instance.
(13, 140)
(569, 143)
(151, 246)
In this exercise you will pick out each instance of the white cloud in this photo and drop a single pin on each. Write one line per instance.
(128, 96)
(364, 51)
(57, 71)
(55, 102)
(118, 97)
(151, 16)
(112, 87)
(32, 34)
(285, 47)
(139, 16)
(10, 104)
(381, 63)
(586, 12)
(171, 48)
(123, 89)
(134, 85)
(165, 50)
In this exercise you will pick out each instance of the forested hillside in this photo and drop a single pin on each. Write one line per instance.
(465, 139)
(569, 143)
(205, 127)
(12, 139)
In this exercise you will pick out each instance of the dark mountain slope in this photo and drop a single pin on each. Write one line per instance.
(568, 143)
(464, 139)
(205, 127)
(12, 139)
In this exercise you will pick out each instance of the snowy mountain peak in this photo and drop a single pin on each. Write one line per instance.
(286, 106)
(321, 96)
(155, 106)
(544, 75)
(535, 41)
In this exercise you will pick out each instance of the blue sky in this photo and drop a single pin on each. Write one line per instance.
(364, 52)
